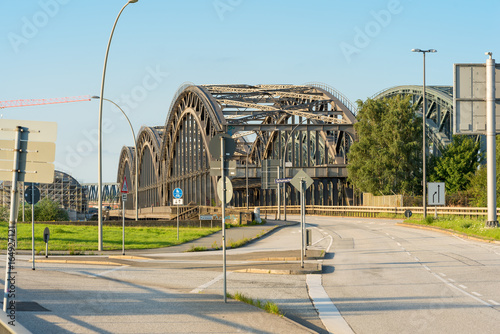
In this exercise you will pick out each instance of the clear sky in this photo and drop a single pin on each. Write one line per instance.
(55, 48)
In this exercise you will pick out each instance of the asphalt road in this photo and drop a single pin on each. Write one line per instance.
(385, 278)
(381, 278)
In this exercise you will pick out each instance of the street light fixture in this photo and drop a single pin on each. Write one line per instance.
(99, 139)
(136, 159)
(424, 114)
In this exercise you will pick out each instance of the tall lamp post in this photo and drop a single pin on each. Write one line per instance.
(424, 115)
(99, 146)
(136, 159)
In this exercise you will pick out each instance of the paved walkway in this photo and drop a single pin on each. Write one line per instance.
(205, 312)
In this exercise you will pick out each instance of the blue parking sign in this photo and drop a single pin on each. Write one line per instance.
(177, 193)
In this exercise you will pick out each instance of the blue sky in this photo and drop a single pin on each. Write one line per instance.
(55, 48)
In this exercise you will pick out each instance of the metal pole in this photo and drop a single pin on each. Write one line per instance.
(284, 185)
(123, 229)
(424, 149)
(278, 191)
(177, 221)
(246, 175)
(33, 226)
(11, 240)
(491, 142)
(302, 223)
(223, 175)
(99, 138)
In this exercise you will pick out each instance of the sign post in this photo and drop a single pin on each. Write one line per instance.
(301, 181)
(32, 196)
(178, 201)
(124, 192)
(46, 236)
(21, 161)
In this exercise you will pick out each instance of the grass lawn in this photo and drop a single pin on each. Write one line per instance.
(74, 238)
(468, 226)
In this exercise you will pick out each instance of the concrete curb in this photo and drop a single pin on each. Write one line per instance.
(450, 232)
(109, 263)
(318, 270)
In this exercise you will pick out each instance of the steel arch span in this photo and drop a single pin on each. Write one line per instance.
(439, 110)
(312, 123)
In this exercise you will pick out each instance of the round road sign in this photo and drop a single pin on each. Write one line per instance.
(229, 189)
(177, 193)
(32, 194)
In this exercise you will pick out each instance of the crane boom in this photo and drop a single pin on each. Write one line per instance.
(37, 102)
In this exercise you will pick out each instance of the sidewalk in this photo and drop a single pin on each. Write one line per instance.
(112, 307)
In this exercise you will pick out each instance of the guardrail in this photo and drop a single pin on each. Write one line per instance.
(346, 211)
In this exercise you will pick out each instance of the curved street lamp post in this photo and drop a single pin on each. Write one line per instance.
(99, 139)
(136, 158)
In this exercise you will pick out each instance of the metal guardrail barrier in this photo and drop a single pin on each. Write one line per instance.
(271, 211)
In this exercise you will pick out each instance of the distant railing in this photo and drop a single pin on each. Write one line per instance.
(318, 210)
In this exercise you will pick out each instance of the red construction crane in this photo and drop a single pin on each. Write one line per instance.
(36, 102)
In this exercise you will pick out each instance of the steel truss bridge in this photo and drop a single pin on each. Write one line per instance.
(312, 123)
(439, 110)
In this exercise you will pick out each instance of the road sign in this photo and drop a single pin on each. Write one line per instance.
(178, 201)
(35, 151)
(46, 235)
(229, 189)
(177, 193)
(285, 180)
(408, 213)
(214, 146)
(229, 166)
(206, 217)
(124, 197)
(124, 186)
(33, 171)
(301, 175)
(436, 194)
(469, 98)
(32, 194)
(34, 130)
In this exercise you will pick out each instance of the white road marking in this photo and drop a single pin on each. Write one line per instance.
(107, 271)
(327, 311)
(462, 286)
(462, 291)
(451, 280)
(206, 285)
(443, 275)
(494, 302)
(426, 268)
(399, 244)
(408, 253)
(417, 259)
(477, 294)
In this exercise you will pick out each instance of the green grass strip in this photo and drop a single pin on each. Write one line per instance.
(267, 306)
(468, 226)
(75, 239)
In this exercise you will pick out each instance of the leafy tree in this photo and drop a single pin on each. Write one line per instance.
(457, 164)
(387, 158)
(479, 184)
(45, 210)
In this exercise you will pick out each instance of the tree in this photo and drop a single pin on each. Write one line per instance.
(387, 158)
(457, 164)
(479, 185)
(45, 210)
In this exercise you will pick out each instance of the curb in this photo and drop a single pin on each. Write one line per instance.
(80, 262)
(318, 270)
(450, 232)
